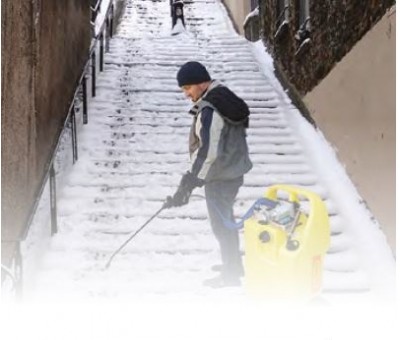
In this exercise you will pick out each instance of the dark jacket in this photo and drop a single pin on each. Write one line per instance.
(217, 142)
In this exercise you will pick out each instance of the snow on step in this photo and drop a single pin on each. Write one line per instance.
(133, 152)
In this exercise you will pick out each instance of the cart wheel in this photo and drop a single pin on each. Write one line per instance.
(264, 237)
(292, 245)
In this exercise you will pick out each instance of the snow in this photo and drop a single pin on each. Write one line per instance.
(131, 156)
(178, 28)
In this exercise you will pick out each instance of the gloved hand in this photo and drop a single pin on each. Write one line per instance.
(177, 200)
(190, 181)
(186, 186)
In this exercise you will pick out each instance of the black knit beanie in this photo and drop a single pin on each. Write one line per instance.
(192, 73)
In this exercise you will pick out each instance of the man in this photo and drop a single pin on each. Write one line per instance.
(219, 159)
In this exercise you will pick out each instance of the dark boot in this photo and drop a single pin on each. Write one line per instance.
(216, 268)
(220, 268)
(222, 281)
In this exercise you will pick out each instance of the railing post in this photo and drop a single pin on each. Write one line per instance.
(84, 100)
(111, 20)
(74, 136)
(107, 33)
(18, 272)
(94, 74)
(101, 51)
(53, 201)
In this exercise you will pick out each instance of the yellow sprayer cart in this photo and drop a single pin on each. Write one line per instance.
(285, 244)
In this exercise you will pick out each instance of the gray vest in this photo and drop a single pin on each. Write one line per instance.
(232, 156)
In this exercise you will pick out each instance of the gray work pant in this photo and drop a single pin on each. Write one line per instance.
(220, 197)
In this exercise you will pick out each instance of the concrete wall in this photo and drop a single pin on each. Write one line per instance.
(45, 44)
(62, 50)
(17, 117)
(355, 107)
(238, 10)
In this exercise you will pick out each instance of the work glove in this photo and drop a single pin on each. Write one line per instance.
(182, 194)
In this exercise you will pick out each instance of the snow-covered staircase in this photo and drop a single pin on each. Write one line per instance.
(134, 151)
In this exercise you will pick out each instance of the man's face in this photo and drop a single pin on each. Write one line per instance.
(195, 91)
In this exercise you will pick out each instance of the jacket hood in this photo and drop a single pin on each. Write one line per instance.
(232, 108)
(228, 104)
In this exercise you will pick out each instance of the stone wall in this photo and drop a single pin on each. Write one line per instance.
(335, 26)
(45, 44)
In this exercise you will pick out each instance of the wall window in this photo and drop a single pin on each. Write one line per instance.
(282, 17)
(253, 4)
(304, 20)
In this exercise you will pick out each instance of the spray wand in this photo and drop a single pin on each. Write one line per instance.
(165, 205)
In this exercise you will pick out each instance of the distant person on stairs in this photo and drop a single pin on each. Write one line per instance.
(219, 159)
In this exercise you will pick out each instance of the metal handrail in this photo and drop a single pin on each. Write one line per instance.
(95, 9)
(110, 10)
(67, 119)
(97, 6)
(11, 275)
(50, 161)
(49, 167)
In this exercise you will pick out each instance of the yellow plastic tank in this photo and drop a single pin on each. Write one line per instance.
(285, 246)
